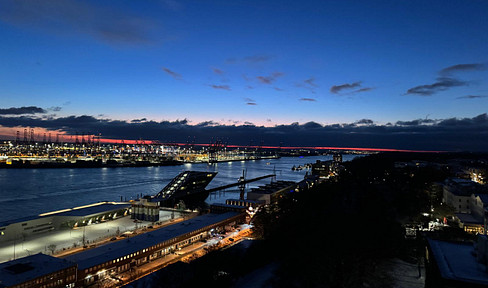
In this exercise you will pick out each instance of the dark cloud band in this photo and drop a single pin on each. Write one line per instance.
(24, 110)
(453, 134)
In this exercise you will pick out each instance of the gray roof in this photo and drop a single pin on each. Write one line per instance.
(462, 181)
(468, 218)
(456, 262)
(102, 208)
(30, 267)
(80, 212)
(114, 250)
(273, 187)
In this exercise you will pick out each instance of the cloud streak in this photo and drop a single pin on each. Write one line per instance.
(347, 86)
(308, 84)
(250, 102)
(350, 88)
(269, 79)
(365, 89)
(463, 67)
(172, 73)
(442, 84)
(445, 80)
(217, 71)
(221, 87)
(471, 97)
(311, 82)
(253, 59)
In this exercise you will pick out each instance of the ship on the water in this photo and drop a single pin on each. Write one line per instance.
(188, 186)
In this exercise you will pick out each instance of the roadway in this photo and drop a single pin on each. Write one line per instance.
(185, 254)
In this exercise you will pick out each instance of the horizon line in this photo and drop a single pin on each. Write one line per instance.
(155, 142)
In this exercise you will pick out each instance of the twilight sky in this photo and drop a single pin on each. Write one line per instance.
(390, 74)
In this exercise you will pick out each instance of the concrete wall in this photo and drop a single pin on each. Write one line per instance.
(477, 207)
(259, 197)
(461, 204)
(24, 229)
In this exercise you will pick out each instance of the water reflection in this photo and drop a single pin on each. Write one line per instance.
(25, 192)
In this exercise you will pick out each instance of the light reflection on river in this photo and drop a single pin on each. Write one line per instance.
(26, 192)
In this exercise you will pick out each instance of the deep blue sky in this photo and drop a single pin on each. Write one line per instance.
(235, 62)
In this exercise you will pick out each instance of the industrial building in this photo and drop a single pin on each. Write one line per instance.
(116, 257)
(235, 205)
(66, 218)
(146, 209)
(470, 202)
(38, 270)
(270, 193)
(92, 265)
(265, 195)
(457, 193)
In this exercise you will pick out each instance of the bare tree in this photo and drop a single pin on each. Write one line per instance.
(52, 248)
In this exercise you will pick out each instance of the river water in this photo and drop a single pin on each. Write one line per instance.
(26, 192)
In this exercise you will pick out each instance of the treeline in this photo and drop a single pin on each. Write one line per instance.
(334, 235)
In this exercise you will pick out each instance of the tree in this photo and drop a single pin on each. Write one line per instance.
(52, 248)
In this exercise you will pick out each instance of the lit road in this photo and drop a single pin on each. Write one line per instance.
(185, 254)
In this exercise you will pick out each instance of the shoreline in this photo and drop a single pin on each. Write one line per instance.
(27, 164)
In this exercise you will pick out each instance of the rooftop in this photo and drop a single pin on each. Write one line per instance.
(456, 262)
(130, 245)
(468, 218)
(81, 211)
(461, 181)
(273, 187)
(87, 210)
(30, 267)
